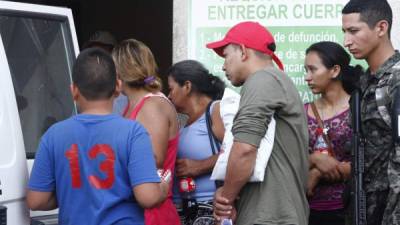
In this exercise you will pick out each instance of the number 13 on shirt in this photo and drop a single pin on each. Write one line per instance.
(106, 166)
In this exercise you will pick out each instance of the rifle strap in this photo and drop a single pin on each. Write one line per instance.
(321, 125)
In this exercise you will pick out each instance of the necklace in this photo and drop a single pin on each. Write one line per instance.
(325, 125)
(337, 108)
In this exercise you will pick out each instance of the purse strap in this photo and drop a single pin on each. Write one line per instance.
(321, 125)
(215, 146)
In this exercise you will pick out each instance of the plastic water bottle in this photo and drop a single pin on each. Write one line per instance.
(320, 144)
(189, 205)
(187, 185)
(226, 222)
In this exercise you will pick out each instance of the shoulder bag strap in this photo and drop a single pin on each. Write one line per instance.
(316, 114)
(213, 140)
(321, 125)
(215, 146)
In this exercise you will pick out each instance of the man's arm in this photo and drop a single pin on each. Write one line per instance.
(149, 195)
(237, 176)
(37, 200)
(41, 193)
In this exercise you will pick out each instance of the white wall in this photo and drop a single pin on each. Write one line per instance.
(180, 30)
(396, 22)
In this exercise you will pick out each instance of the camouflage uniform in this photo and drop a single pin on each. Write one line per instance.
(382, 159)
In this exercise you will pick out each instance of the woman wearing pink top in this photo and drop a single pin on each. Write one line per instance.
(330, 75)
(137, 69)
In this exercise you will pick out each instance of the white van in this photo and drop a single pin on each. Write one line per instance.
(38, 46)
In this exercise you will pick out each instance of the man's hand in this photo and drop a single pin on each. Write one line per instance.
(222, 207)
(187, 168)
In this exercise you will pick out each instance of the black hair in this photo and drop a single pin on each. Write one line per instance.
(371, 11)
(332, 54)
(202, 80)
(94, 74)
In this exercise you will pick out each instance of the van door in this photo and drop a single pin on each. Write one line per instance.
(13, 168)
(38, 46)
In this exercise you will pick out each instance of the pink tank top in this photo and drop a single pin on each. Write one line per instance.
(166, 213)
(328, 196)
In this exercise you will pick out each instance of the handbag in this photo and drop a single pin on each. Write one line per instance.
(229, 106)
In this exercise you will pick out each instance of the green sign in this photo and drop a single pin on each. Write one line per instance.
(295, 24)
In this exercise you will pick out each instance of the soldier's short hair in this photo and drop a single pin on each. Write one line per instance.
(371, 11)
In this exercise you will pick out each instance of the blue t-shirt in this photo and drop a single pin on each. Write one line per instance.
(92, 162)
(194, 143)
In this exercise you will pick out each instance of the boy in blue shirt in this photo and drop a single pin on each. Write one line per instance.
(97, 167)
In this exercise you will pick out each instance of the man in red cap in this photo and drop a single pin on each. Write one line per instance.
(248, 49)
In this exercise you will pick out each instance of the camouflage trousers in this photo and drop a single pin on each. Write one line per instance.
(391, 214)
(376, 204)
(382, 209)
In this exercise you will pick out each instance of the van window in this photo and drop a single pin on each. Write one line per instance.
(40, 55)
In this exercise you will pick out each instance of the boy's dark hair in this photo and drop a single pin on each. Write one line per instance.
(371, 11)
(202, 80)
(332, 54)
(94, 74)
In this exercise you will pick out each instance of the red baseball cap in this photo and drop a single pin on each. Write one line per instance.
(250, 34)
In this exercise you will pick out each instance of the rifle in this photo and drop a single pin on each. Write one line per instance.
(358, 194)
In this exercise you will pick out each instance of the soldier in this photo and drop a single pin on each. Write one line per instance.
(366, 25)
